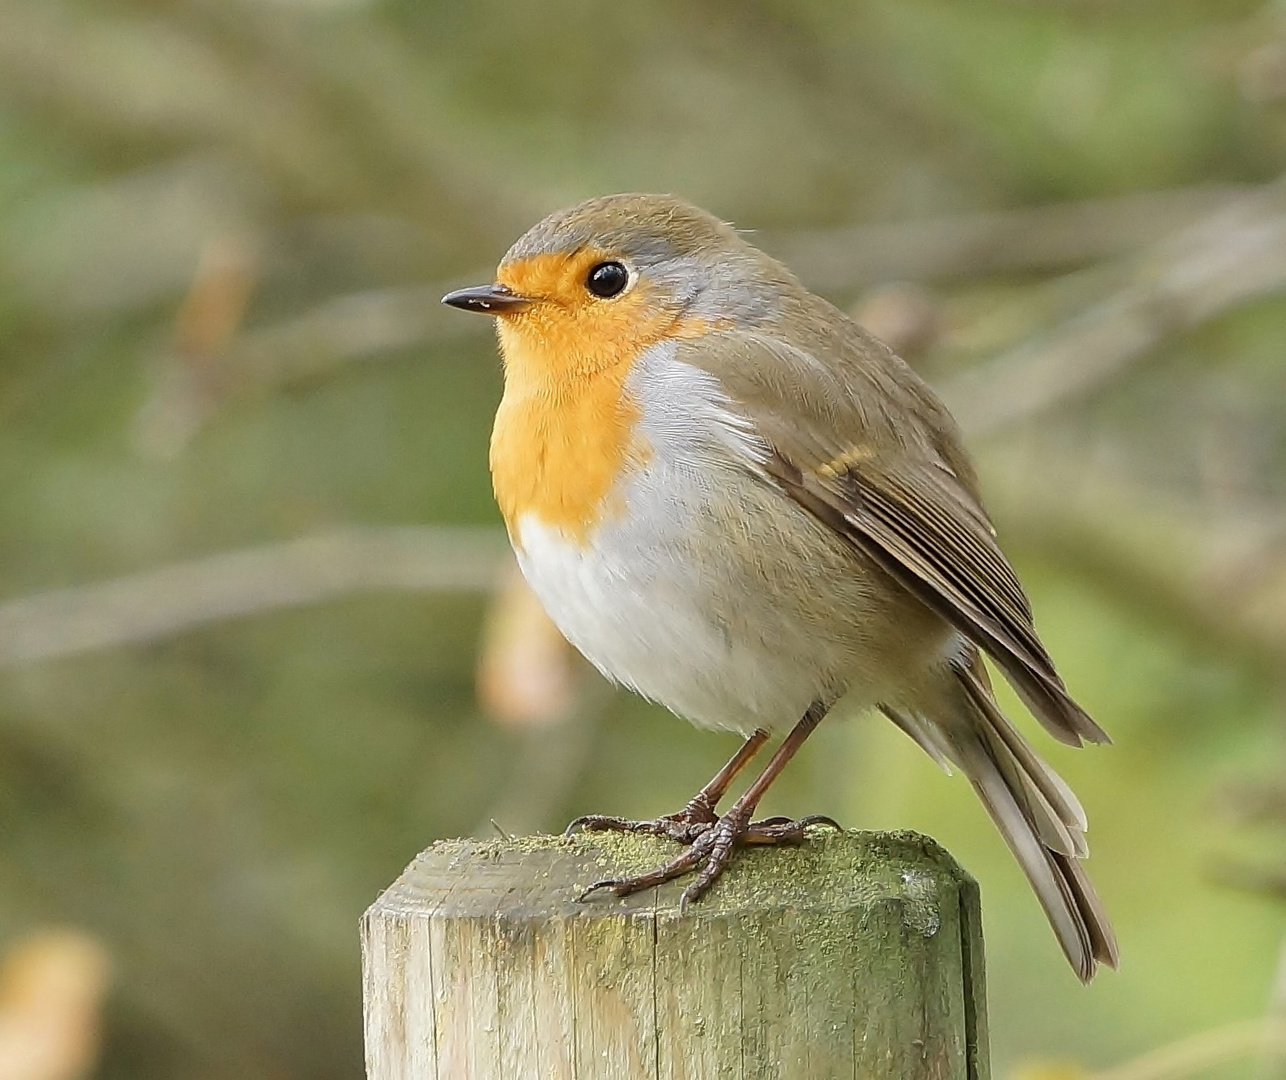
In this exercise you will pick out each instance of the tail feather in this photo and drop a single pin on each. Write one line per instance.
(922, 732)
(1040, 819)
(1051, 804)
(1102, 937)
(1043, 871)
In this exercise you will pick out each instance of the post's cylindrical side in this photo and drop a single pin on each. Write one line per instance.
(854, 955)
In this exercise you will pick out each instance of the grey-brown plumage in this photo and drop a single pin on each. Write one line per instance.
(863, 444)
(795, 522)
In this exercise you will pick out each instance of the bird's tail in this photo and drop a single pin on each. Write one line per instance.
(1039, 817)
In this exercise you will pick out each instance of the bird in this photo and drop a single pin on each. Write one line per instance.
(738, 503)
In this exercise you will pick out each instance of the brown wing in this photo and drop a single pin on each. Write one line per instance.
(910, 526)
(893, 493)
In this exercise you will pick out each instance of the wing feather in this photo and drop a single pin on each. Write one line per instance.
(902, 492)
(953, 566)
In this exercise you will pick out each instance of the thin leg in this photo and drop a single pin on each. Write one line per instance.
(787, 750)
(735, 828)
(712, 848)
(694, 818)
(709, 796)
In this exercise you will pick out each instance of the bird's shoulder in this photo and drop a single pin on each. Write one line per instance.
(829, 394)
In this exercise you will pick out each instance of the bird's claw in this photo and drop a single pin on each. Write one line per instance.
(682, 827)
(708, 852)
(784, 830)
(606, 883)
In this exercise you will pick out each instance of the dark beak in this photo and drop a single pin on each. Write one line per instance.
(487, 300)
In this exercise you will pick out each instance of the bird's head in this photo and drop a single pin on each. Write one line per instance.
(594, 285)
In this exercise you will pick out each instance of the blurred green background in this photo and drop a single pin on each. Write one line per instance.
(247, 543)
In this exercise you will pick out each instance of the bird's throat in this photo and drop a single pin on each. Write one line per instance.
(561, 439)
(566, 428)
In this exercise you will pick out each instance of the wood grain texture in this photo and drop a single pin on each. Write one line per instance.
(855, 955)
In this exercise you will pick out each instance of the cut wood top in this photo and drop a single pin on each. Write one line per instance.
(541, 876)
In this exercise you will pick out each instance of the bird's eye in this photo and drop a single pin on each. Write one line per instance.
(607, 279)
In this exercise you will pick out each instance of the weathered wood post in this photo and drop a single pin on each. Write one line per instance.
(854, 955)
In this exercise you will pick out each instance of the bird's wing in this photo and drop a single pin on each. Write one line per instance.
(895, 492)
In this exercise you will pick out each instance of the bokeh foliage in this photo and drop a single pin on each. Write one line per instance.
(223, 228)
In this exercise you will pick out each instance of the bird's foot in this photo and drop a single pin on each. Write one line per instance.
(684, 827)
(710, 852)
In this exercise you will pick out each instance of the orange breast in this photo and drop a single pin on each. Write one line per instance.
(556, 451)
(566, 426)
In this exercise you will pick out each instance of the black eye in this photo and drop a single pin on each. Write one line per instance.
(607, 279)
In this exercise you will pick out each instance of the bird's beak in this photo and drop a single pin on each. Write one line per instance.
(487, 300)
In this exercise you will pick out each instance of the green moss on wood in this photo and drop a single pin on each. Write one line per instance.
(851, 955)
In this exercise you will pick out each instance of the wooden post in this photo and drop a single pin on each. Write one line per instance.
(854, 955)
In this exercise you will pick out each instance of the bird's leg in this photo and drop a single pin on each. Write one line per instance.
(701, 806)
(695, 818)
(712, 848)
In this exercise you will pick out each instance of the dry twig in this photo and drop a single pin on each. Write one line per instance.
(1162, 553)
(1036, 239)
(1231, 258)
(172, 599)
(1210, 1049)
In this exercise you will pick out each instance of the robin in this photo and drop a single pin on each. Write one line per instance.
(737, 502)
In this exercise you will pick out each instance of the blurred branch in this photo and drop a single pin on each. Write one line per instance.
(903, 315)
(351, 328)
(171, 599)
(1220, 576)
(1208, 1050)
(1254, 803)
(191, 384)
(1250, 803)
(1233, 257)
(1039, 239)
(1186, 1057)
(1230, 258)
(133, 76)
(1272, 1062)
(333, 334)
(396, 119)
(381, 141)
(114, 244)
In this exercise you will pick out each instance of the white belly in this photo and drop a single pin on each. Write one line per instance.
(656, 631)
(711, 593)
